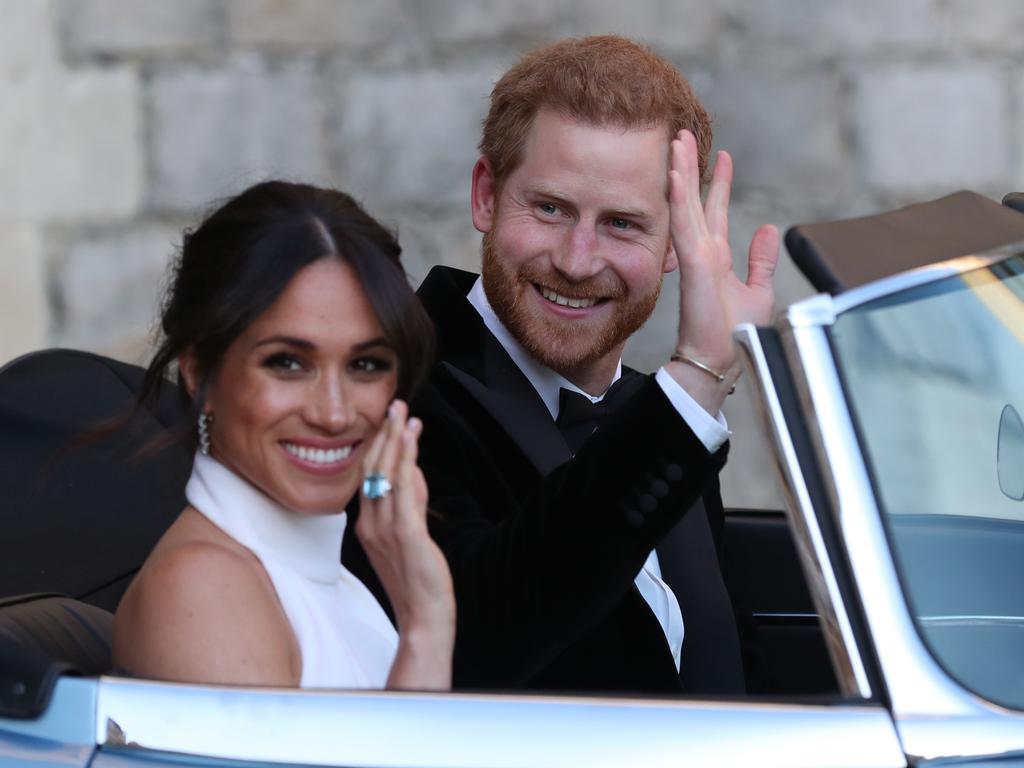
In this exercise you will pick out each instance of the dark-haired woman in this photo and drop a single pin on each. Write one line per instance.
(295, 331)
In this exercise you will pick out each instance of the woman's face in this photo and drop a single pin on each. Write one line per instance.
(301, 393)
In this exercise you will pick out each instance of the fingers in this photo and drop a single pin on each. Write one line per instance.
(380, 459)
(716, 207)
(689, 226)
(410, 497)
(763, 257)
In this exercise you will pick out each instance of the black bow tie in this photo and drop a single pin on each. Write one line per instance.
(579, 416)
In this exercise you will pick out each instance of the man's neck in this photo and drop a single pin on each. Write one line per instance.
(595, 377)
(545, 380)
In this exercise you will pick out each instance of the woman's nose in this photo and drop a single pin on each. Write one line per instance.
(329, 407)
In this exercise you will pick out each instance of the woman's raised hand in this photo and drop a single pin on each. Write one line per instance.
(392, 527)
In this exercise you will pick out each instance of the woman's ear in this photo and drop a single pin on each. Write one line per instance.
(189, 369)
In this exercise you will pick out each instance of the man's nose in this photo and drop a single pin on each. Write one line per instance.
(579, 257)
(330, 405)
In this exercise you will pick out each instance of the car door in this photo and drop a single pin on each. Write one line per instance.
(894, 398)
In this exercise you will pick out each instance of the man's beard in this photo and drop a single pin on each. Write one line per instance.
(564, 346)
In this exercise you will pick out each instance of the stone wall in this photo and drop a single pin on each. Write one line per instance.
(123, 120)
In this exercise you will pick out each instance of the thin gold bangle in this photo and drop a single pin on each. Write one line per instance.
(679, 357)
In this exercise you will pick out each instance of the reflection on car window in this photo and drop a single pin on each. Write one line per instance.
(929, 373)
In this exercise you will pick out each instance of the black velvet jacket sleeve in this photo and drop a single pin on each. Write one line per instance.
(538, 570)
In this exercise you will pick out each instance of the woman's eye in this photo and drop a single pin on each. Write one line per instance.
(372, 365)
(283, 362)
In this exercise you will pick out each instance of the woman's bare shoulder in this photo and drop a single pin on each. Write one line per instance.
(202, 609)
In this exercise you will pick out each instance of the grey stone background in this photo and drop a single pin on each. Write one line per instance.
(122, 121)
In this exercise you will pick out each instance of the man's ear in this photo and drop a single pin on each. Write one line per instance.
(671, 260)
(483, 200)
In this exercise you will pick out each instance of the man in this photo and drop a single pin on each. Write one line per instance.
(587, 191)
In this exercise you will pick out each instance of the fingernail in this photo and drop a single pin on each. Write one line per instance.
(415, 424)
(392, 409)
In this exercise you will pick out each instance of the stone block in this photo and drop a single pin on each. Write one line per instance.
(141, 27)
(987, 26)
(672, 27)
(71, 144)
(410, 137)
(107, 287)
(22, 290)
(216, 131)
(435, 237)
(783, 130)
(28, 37)
(317, 23)
(834, 28)
(457, 22)
(936, 127)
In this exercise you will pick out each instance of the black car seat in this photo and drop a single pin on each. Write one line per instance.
(79, 519)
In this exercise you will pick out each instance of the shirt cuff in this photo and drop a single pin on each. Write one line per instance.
(711, 431)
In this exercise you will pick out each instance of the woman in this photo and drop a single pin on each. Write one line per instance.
(294, 330)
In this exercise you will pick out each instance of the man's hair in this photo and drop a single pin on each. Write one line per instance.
(604, 81)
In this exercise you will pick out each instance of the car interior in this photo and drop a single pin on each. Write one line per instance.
(91, 482)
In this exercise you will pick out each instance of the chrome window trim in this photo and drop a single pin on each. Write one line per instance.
(813, 311)
(412, 729)
(810, 544)
(936, 717)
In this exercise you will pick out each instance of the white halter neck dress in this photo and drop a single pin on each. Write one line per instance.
(344, 635)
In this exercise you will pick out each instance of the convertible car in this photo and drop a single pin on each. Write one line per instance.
(882, 611)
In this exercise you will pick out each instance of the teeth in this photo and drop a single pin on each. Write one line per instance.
(318, 455)
(565, 301)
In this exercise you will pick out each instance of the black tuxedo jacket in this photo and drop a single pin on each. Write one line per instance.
(544, 550)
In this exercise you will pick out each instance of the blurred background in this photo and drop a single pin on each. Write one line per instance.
(121, 122)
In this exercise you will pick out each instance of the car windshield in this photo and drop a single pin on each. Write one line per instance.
(935, 380)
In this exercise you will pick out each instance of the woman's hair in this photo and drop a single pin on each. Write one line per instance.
(239, 260)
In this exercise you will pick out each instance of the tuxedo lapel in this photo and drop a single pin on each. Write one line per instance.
(528, 425)
(483, 369)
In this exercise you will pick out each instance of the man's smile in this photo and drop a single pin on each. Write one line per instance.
(566, 301)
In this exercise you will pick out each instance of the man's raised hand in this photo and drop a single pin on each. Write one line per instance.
(712, 299)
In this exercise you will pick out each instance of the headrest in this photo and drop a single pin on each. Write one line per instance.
(839, 255)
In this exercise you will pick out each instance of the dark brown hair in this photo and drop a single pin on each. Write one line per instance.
(603, 80)
(238, 261)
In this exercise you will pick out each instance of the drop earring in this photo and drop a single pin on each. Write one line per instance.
(205, 420)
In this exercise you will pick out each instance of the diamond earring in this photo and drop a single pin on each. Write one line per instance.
(205, 420)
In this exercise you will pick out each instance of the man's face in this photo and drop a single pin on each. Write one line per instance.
(576, 240)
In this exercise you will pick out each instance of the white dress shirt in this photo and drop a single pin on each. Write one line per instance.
(711, 431)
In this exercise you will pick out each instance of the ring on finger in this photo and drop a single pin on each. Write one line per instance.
(376, 486)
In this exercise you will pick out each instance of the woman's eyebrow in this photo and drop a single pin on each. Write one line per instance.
(380, 341)
(292, 341)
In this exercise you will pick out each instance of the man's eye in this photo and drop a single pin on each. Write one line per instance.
(549, 208)
(283, 362)
(621, 223)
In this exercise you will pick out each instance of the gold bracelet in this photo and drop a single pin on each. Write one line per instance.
(679, 357)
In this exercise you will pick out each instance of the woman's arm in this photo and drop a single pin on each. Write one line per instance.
(201, 612)
(393, 531)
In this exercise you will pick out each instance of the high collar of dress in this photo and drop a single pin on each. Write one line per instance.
(310, 544)
(547, 382)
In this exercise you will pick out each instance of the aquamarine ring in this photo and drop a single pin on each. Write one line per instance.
(376, 486)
